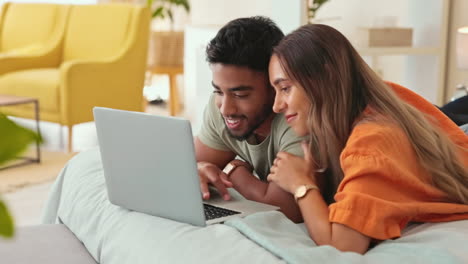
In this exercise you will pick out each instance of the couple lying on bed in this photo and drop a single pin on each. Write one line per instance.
(354, 157)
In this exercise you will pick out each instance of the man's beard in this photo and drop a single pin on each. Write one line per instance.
(259, 119)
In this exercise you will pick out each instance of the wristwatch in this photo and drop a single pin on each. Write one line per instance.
(302, 190)
(231, 166)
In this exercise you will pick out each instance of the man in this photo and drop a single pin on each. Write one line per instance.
(239, 121)
(457, 110)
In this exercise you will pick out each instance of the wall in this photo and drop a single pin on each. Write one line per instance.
(286, 13)
(207, 16)
(458, 18)
(406, 67)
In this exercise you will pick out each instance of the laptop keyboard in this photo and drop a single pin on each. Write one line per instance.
(213, 212)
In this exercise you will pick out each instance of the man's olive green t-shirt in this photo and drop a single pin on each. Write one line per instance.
(214, 134)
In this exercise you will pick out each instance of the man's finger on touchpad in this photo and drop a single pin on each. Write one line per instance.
(217, 193)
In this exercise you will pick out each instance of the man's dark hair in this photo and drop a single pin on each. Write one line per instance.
(245, 42)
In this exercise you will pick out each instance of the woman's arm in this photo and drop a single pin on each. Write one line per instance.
(323, 232)
(290, 172)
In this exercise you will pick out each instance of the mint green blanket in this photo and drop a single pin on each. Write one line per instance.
(424, 243)
(115, 235)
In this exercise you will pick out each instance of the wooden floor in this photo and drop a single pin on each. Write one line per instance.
(26, 204)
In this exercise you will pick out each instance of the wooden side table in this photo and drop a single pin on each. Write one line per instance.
(9, 100)
(172, 71)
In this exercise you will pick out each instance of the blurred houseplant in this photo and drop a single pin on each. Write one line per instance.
(162, 9)
(312, 7)
(167, 47)
(13, 141)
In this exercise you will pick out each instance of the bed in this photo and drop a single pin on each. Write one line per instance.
(115, 235)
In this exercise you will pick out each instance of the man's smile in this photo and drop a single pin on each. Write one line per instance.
(233, 123)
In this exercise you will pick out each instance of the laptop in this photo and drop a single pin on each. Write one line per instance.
(150, 167)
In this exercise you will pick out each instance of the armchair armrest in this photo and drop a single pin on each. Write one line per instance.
(28, 58)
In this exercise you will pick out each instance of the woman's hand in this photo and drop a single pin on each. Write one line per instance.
(290, 171)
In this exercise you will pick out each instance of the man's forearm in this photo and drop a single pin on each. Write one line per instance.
(256, 190)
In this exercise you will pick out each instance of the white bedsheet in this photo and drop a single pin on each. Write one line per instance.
(115, 235)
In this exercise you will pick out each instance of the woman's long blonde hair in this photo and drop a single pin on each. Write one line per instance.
(340, 85)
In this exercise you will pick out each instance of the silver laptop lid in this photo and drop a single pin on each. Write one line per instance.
(149, 164)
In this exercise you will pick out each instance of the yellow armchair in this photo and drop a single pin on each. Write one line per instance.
(105, 53)
(31, 35)
(103, 64)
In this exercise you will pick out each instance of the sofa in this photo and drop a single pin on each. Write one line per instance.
(111, 234)
(51, 244)
(72, 58)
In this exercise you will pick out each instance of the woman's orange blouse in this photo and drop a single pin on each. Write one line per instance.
(384, 186)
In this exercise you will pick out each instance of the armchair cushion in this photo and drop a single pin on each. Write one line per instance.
(31, 35)
(38, 83)
(17, 31)
(97, 31)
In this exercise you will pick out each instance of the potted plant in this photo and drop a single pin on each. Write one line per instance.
(166, 47)
(312, 7)
(164, 8)
(14, 140)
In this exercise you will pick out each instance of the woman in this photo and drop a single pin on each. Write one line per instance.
(386, 155)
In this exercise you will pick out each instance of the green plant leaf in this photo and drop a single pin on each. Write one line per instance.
(169, 14)
(164, 8)
(314, 7)
(6, 221)
(14, 140)
(158, 12)
(184, 3)
(186, 6)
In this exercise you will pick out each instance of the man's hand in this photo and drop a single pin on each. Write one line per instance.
(211, 174)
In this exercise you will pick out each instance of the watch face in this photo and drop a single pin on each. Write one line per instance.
(301, 191)
(228, 168)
